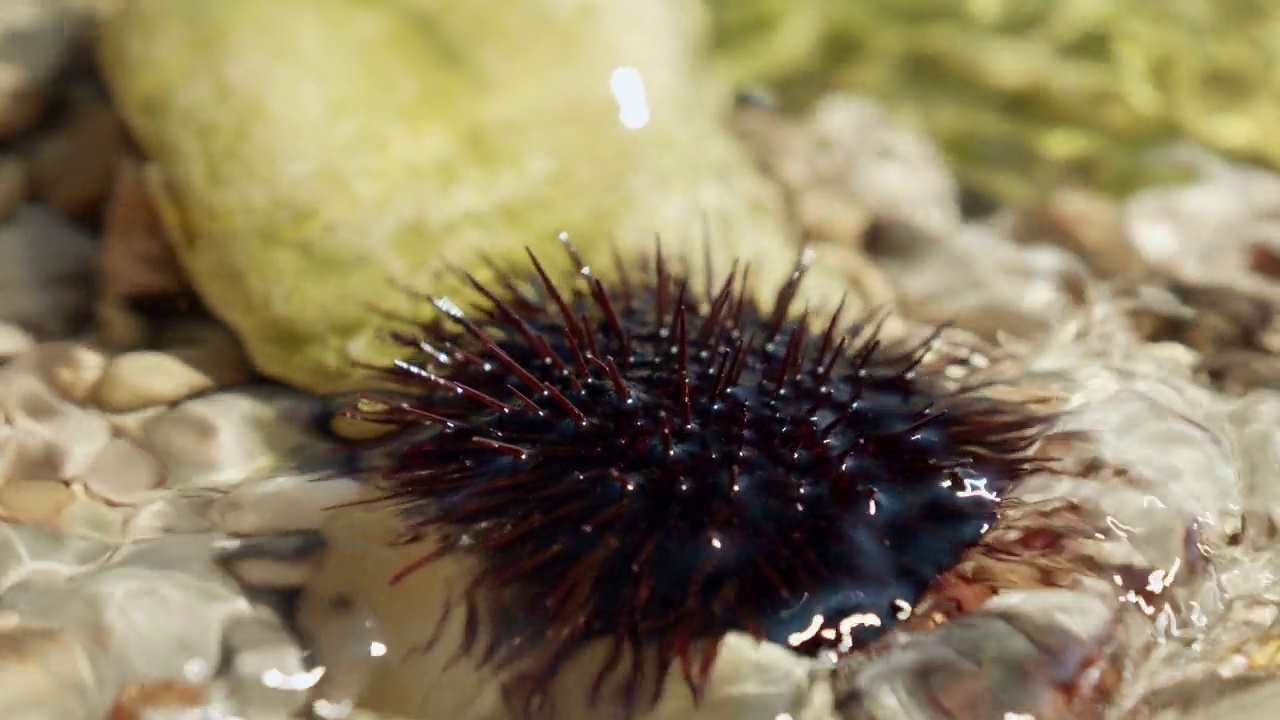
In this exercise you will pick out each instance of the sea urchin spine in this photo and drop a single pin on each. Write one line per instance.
(653, 470)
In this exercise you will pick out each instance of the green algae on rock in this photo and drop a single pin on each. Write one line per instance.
(1024, 94)
(316, 152)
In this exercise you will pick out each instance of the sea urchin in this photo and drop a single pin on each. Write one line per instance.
(642, 467)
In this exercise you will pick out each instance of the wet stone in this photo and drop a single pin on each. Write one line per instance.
(35, 36)
(46, 272)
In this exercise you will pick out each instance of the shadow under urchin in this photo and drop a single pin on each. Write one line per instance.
(653, 466)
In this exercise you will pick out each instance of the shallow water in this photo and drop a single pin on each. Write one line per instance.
(201, 557)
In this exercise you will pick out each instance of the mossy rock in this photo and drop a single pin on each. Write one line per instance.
(317, 154)
(1024, 94)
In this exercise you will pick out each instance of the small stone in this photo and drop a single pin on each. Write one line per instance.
(281, 504)
(133, 424)
(123, 472)
(14, 341)
(158, 619)
(35, 36)
(46, 668)
(46, 272)
(72, 166)
(14, 182)
(1264, 259)
(34, 502)
(144, 378)
(221, 439)
(30, 552)
(90, 518)
(137, 259)
(44, 436)
(71, 368)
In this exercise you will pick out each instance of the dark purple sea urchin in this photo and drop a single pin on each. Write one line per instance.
(641, 466)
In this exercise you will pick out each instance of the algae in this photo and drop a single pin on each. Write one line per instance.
(1027, 94)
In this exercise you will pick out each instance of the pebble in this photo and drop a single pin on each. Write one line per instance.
(46, 272)
(14, 182)
(35, 502)
(133, 424)
(89, 517)
(144, 378)
(44, 436)
(14, 341)
(220, 440)
(28, 691)
(195, 356)
(157, 628)
(152, 629)
(280, 504)
(27, 551)
(72, 368)
(35, 36)
(72, 165)
(123, 472)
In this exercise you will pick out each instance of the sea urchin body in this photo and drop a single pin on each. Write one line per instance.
(653, 470)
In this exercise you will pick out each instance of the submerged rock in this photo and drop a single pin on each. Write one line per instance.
(46, 272)
(312, 152)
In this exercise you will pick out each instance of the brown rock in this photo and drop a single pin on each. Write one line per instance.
(209, 346)
(14, 183)
(136, 258)
(1264, 259)
(1090, 225)
(72, 167)
(117, 326)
